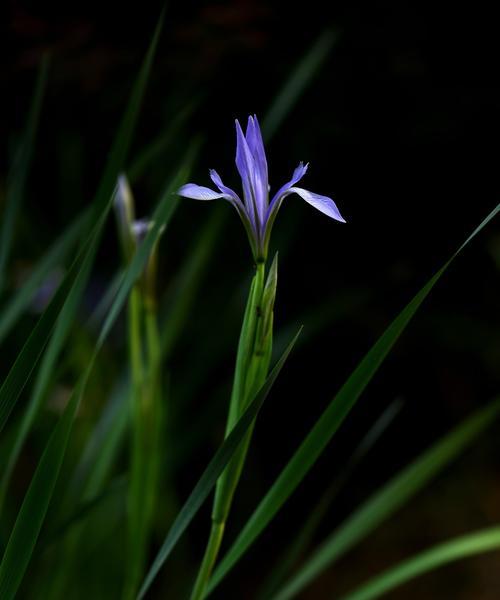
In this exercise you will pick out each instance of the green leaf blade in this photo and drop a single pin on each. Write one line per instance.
(458, 548)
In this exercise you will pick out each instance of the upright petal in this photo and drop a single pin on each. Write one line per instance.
(260, 180)
(256, 145)
(199, 192)
(246, 168)
(323, 203)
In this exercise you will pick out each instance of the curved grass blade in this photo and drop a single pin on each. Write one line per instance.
(458, 548)
(18, 175)
(32, 513)
(215, 467)
(303, 538)
(389, 498)
(329, 422)
(53, 258)
(300, 78)
(31, 351)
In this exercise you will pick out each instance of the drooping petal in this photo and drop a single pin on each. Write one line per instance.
(246, 168)
(260, 176)
(322, 203)
(199, 192)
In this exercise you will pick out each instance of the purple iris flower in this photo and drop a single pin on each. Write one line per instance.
(256, 212)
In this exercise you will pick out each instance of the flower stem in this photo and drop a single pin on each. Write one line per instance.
(134, 541)
(252, 363)
(146, 432)
(207, 565)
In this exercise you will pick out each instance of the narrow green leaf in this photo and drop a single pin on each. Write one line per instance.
(458, 548)
(329, 422)
(301, 77)
(215, 467)
(32, 513)
(18, 175)
(54, 257)
(389, 498)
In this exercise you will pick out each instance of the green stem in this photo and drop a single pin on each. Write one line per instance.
(154, 417)
(134, 546)
(252, 363)
(207, 565)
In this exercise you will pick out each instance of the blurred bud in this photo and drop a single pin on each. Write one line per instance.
(140, 230)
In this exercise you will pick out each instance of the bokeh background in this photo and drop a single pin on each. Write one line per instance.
(401, 125)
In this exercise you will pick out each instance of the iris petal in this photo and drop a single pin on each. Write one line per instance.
(199, 192)
(298, 173)
(322, 203)
(260, 176)
(215, 177)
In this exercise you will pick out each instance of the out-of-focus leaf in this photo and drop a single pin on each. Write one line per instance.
(458, 548)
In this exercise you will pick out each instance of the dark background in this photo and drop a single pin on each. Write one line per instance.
(401, 127)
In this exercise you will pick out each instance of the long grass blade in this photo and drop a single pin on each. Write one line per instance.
(18, 175)
(215, 467)
(458, 548)
(329, 422)
(389, 498)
